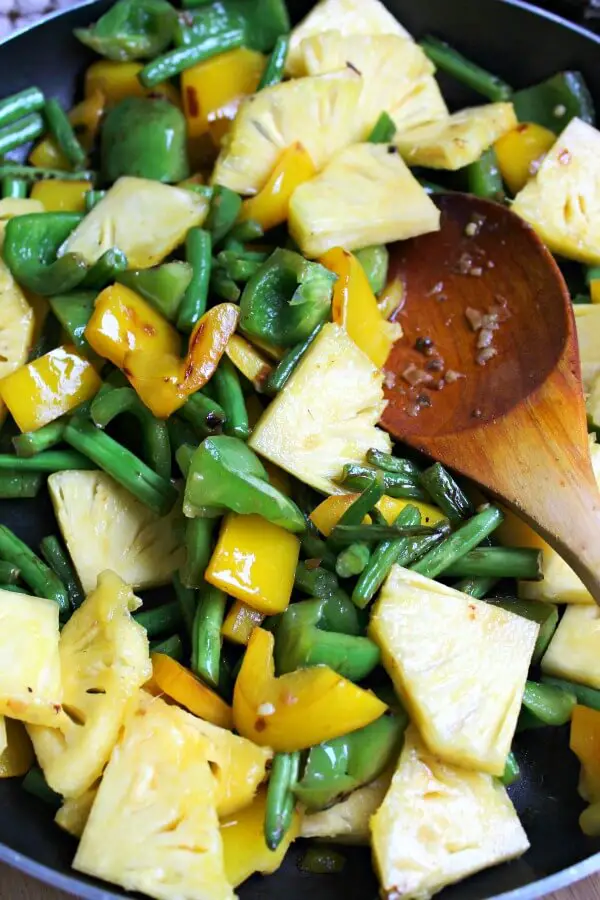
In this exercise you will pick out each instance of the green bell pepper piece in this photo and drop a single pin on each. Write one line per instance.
(163, 286)
(74, 311)
(224, 474)
(553, 103)
(338, 767)
(286, 299)
(30, 250)
(262, 22)
(145, 137)
(131, 29)
(375, 261)
(300, 642)
(105, 270)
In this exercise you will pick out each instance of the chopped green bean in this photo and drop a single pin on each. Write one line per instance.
(283, 371)
(62, 131)
(204, 414)
(9, 574)
(30, 100)
(206, 635)
(316, 581)
(344, 535)
(198, 253)
(223, 213)
(163, 619)
(512, 772)
(60, 562)
(18, 485)
(280, 798)
(314, 548)
(383, 131)
(35, 573)
(183, 456)
(466, 538)
(36, 785)
(231, 398)
(454, 63)
(388, 463)
(48, 461)
(92, 199)
(198, 542)
(187, 599)
(356, 477)
(587, 696)
(172, 647)
(476, 587)
(15, 188)
(275, 68)
(33, 173)
(383, 558)
(14, 588)
(244, 232)
(223, 286)
(21, 132)
(484, 178)
(177, 61)
(499, 562)
(446, 493)
(353, 560)
(549, 704)
(31, 442)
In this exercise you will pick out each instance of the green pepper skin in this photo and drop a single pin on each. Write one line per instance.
(565, 93)
(224, 474)
(262, 22)
(131, 29)
(375, 261)
(286, 299)
(145, 137)
(163, 286)
(30, 250)
(74, 311)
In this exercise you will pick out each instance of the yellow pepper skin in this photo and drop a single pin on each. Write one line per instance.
(354, 307)
(585, 744)
(245, 850)
(17, 757)
(520, 153)
(271, 205)
(61, 196)
(255, 561)
(297, 710)
(595, 290)
(213, 90)
(249, 361)
(329, 512)
(117, 80)
(49, 387)
(181, 685)
(240, 622)
(86, 117)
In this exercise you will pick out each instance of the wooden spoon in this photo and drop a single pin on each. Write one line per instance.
(514, 420)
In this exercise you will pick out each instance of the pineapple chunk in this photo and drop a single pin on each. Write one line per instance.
(562, 201)
(344, 16)
(459, 664)
(439, 824)
(392, 68)
(459, 140)
(318, 112)
(73, 815)
(424, 104)
(348, 821)
(574, 651)
(30, 682)
(587, 320)
(104, 658)
(353, 203)
(105, 527)
(326, 415)
(153, 826)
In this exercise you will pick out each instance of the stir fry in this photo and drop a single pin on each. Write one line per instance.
(338, 641)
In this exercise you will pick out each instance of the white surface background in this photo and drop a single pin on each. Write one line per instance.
(18, 13)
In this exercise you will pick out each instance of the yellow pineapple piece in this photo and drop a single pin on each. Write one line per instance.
(73, 815)
(574, 651)
(153, 826)
(439, 824)
(104, 658)
(425, 103)
(348, 822)
(459, 664)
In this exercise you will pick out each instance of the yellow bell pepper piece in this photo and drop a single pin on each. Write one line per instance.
(255, 561)
(297, 710)
(520, 153)
(85, 117)
(329, 512)
(17, 757)
(354, 307)
(585, 744)
(61, 196)
(181, 685)
(213, 90)
(245, 850)
(249, 361)
(117, 80)
(240, 622)
(49, 387)
(391, 298)
(595, 290)
(271, 205)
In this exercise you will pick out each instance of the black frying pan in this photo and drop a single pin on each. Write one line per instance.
(523, 46)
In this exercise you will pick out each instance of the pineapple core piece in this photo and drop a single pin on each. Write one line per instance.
(459, 140)
(105, 659)
(574, 651)
(459, 664)
(326, 415)
(353, 203)
(318, 112)
(439, 824)
(153, 826)
(347, 822)
(105, 527)
(30, 682)
(344, 16)
(562, 202)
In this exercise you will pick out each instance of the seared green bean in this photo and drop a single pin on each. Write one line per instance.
(163, 619)
(484, 178)
(198, 253)
(587, 696)
(476, 587)
(92, 199)
(280, 798)
(231, 399)
(388, 463)
(356, 477)
(223, 286)
(60, 562)
(206, 635)
(223, 213)
(275, 68)
(363, 505)
(383, 558)
(31, 442)
(15, 107)
(198, 543)
(172, 647)
(9, 574)
(15, 188)
(48, 461)
(187, 599)
(353, 560)
(21, 132)
(466, 538)
(206, 416)
(62, 131)
(245, 231)
(176, 61)
(15, 589)
(283, 371)
(33, 173)
(19, 485)
(344, 535)
(454, 63)
(316, 581)
(511, 770)
(446, 493)
(549, 704)
(35, 573)
(499, 562)
(314, 548)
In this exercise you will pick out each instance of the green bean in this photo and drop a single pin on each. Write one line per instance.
(15, 589)
(345, 535)
(457, 545)
(187, 599)
(92, 199)
(177, 61)
(35, 573)
(392, 464)
(446, 493)
(549, 704)
(60, 562)
(231, 398)
(206, 635)
(250, 230)
(512, 772)
(206, 416)
(48, 461)
(163, 619)
(31, 442)
(9, 574)
(180, 432)
(15, 188)
(33, 173)
(183, 456)
(105, 270)
(364, 504)
(198, 253)
(353, 560)
(314, 548)
(280, 799)
(106, 405)
(356, 478)
(454, 63)
(383, 131)
(150, 489)
(223, 286)
(198, 544)
(499, 562)
(587, 696)
(275, 68)
(36, 785)
(290, 360)
(430, 187)
(19, 485)
(21, 132)
(172, 647)
(223, 212)
(476, 587)
(484, 178)
(17, 106)
(383, 558)
(62, 131)
(237, 268)
(316, 581)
